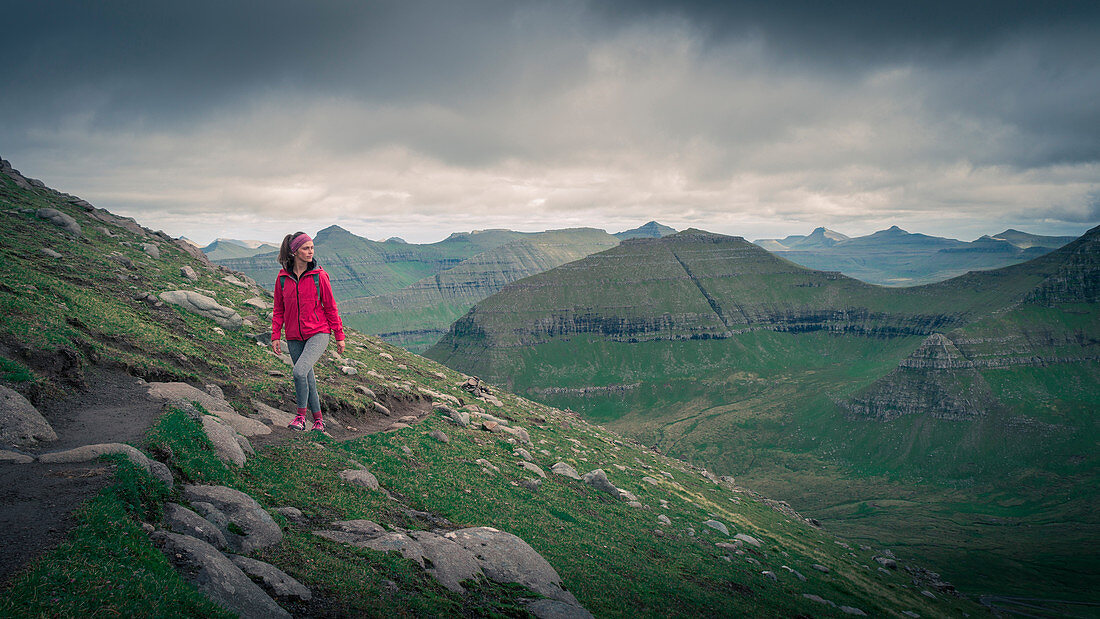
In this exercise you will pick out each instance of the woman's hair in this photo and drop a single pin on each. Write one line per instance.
(286, 257)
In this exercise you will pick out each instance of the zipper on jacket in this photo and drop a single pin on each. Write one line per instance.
(298, 299)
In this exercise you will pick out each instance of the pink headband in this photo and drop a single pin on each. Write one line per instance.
(297, 242)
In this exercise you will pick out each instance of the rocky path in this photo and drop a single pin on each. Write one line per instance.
(37, 499)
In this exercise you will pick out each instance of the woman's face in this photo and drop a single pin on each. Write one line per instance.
(305, 252)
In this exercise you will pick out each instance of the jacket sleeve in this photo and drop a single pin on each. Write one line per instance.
(277, 314)
(328, 304)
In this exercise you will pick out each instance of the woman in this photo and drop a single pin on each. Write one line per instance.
(305, 306)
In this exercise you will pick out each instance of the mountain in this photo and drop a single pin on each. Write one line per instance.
(890, 411)
(649, 230)
(1024, 240)
(92, 321)
(821, 237)
(416, 316)
(895, 257)
(222, 249)
(359, 267)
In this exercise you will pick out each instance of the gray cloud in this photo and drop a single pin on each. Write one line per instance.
(425, 117)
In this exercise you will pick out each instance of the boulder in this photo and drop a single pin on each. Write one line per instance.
(448, 562)
(561, 468)
(534, 468)
(717, 526)
(20, 422)
(151, 250)
(59, 219)
(46, 251)
(91, 452)
(189, 273)
(217, 577)
(272, 416)
(203, 306)
(14, 457)
(275, 581)
(598, 479)
(181, 520)
(224, 438)
(359, 477)
(259, 529)
(505, 558)
(439, 436)
(748, 539)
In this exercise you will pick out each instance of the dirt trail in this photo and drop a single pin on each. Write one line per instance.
(37, 500)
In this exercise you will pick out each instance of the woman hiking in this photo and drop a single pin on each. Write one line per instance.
(305, 306)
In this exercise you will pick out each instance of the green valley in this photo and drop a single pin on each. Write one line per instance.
(956, 418)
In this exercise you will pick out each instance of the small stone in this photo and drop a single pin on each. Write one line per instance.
(851, 610)
(405, 449)
(770, 575)
(748, 539)
(49, 252)
(365, 391)
(439, 436)
(820, 568)
(349, 371)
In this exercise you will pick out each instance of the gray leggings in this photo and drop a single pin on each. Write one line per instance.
(305, 354)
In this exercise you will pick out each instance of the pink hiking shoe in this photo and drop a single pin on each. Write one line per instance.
(318, 423)
(299, 422)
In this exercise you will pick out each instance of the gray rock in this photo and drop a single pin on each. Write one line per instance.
(376, 405)
(439, 436)
(186, 522)
(203, 306)
(275, 581)
(405, 450)
(530, 484)
(91, 452)
(14, 457)
(851, 610)
(292, 514)
(770, 575)
(272, 416)
(152, 250)
(189, 273)
(20, 422)
(446, 561)
(59, 219)
(217, 577)
(717, 526)
(555, 609)
(534, 468)
(365, 391)
(598, 479)
(363, 528)
(260, 530)
(347, 370)
(523, 453)
(503, 557)
(46, 251)
(366, 479)
(663, 519)
(748, 539)
(517, 432)
(887, 562)
(817, 598)
(224, 438)
(820, 568)
(626, 495)
(211, 513)
(650, 480)
(259, 303)
(561, 468)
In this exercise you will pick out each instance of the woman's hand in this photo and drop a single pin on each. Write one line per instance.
(275, 347)
(340, 346)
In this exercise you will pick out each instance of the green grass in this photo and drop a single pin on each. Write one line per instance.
(108, 566)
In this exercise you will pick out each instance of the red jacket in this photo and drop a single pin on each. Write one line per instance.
(305, 306)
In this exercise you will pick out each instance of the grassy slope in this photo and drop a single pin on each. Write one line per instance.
(761, 405)
(82, 308)
(416, 316)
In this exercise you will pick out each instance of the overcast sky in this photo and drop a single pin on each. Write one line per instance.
(416, 119)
